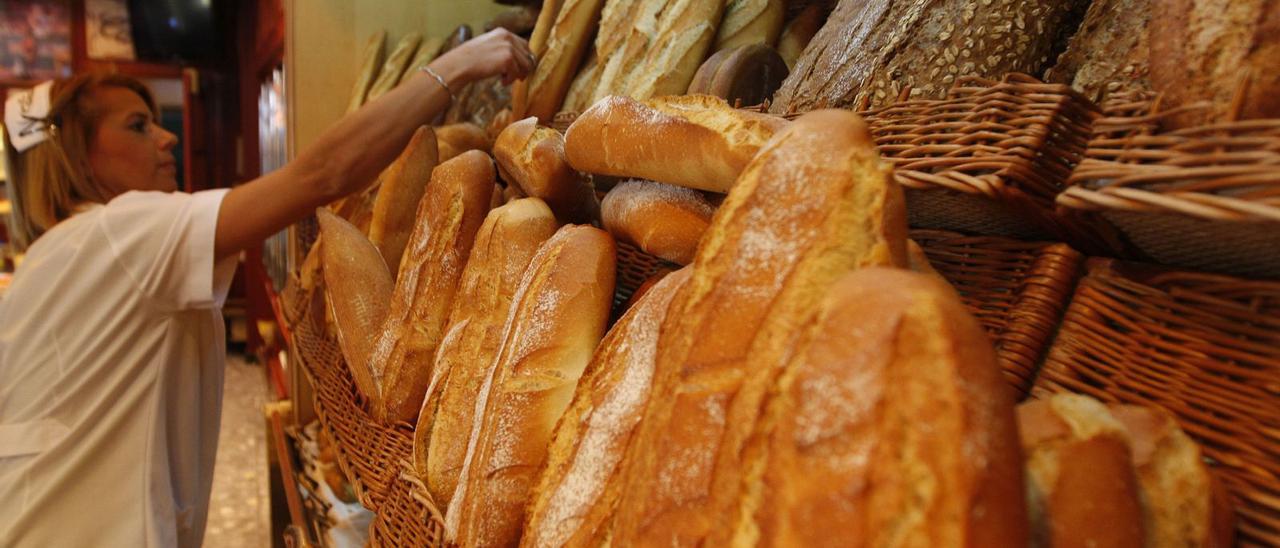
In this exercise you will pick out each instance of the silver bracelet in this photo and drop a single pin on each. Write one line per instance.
(427, 69)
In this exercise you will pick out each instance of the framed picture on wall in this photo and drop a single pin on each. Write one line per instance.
(106, 30)
(35, 39)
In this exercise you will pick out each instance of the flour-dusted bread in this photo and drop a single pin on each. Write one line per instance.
(396, 206)
(359, 289)
(664, 220)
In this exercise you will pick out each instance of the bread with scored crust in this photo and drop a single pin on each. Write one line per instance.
(396, 206)
(532, 157)
(566, 46)
(359, 289)
(555, 321)
(449, 215)
(789, 228)
(504, 245)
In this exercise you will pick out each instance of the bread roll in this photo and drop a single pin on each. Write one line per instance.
(695, 141)
(663, 220)
(359, 287)
(449, 214)
(532, 157)
(890, 426)
(396, 206)
(750, 22)
(797, 34)
(576, 494)
(1081, 488)
(555, 322)
(1110, 51)
(566, 45)
(789, 228)
(871, 51)
(370, 65)
(454, 139)
(1183, 505)
(395, 65)
(503, 247)
(427, 52)
(1204, 50)
(684, 33)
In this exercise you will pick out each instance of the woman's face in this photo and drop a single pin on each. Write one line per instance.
(129, 151)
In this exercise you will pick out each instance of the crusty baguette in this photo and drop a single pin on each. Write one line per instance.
(627, 30)
(396, 207)
(503, 247)
(1182, 503)
(455, 139)
(359, 287)
(575, 496)
(694, 141)
(370, 64)
(449, 215)
(578, 97)
(537, 45)
(664, 220)
(1081, 487)
(797, 34)
(394, 67)
(788, 229)
(555, 321)
(532, 157)
(557, 66)
(750, 22)
(684, 34)
(427, 52)
(890, 426)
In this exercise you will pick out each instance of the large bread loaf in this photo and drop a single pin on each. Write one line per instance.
(507, 240)
(873, 50)
(359, 288)
(451, 211)
(890, 426)
(694, 141)
(685, 32)
(532, 157)
(1109, 53)
(1204, 50)
(556, 319)
(815, 203)
(1081, 486)
(627, 27)
(566, 46)
(580, 486)
(396, 207)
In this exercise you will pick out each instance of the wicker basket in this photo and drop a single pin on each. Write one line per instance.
(1206, 198)
(408, 517)
(634, 267)
(368, 451)
(990, 158)
(1017, 290)
(1204, 346)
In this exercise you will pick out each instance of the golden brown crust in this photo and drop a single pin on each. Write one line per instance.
(788, 229)
(503, 248)
(663, 220)
(694, 141)
(449, 215)
(566, 45)
(454, 139)
(579, 488)
(684, 32)
(532, 157)
(359, 287)
(396, 206)
(556, 319)
(890, 426)
(1082, 490)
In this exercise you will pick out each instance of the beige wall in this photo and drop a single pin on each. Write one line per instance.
(324, 40)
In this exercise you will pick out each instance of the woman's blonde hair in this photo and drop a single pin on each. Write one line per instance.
(50, 179)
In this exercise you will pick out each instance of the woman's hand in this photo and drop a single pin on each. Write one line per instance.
(490, 54)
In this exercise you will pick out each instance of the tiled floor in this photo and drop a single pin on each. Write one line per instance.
(238, 509)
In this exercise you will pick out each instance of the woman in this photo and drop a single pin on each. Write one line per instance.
(111, 342)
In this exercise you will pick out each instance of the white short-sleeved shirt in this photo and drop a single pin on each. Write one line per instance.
(111, 361)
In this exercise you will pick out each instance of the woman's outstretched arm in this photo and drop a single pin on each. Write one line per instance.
(349, 155)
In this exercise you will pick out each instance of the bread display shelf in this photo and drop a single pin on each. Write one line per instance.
(368, 452)
(1204, 346)
(1017, 290)
(1205, 197)
(990, 158)
(408, 517)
